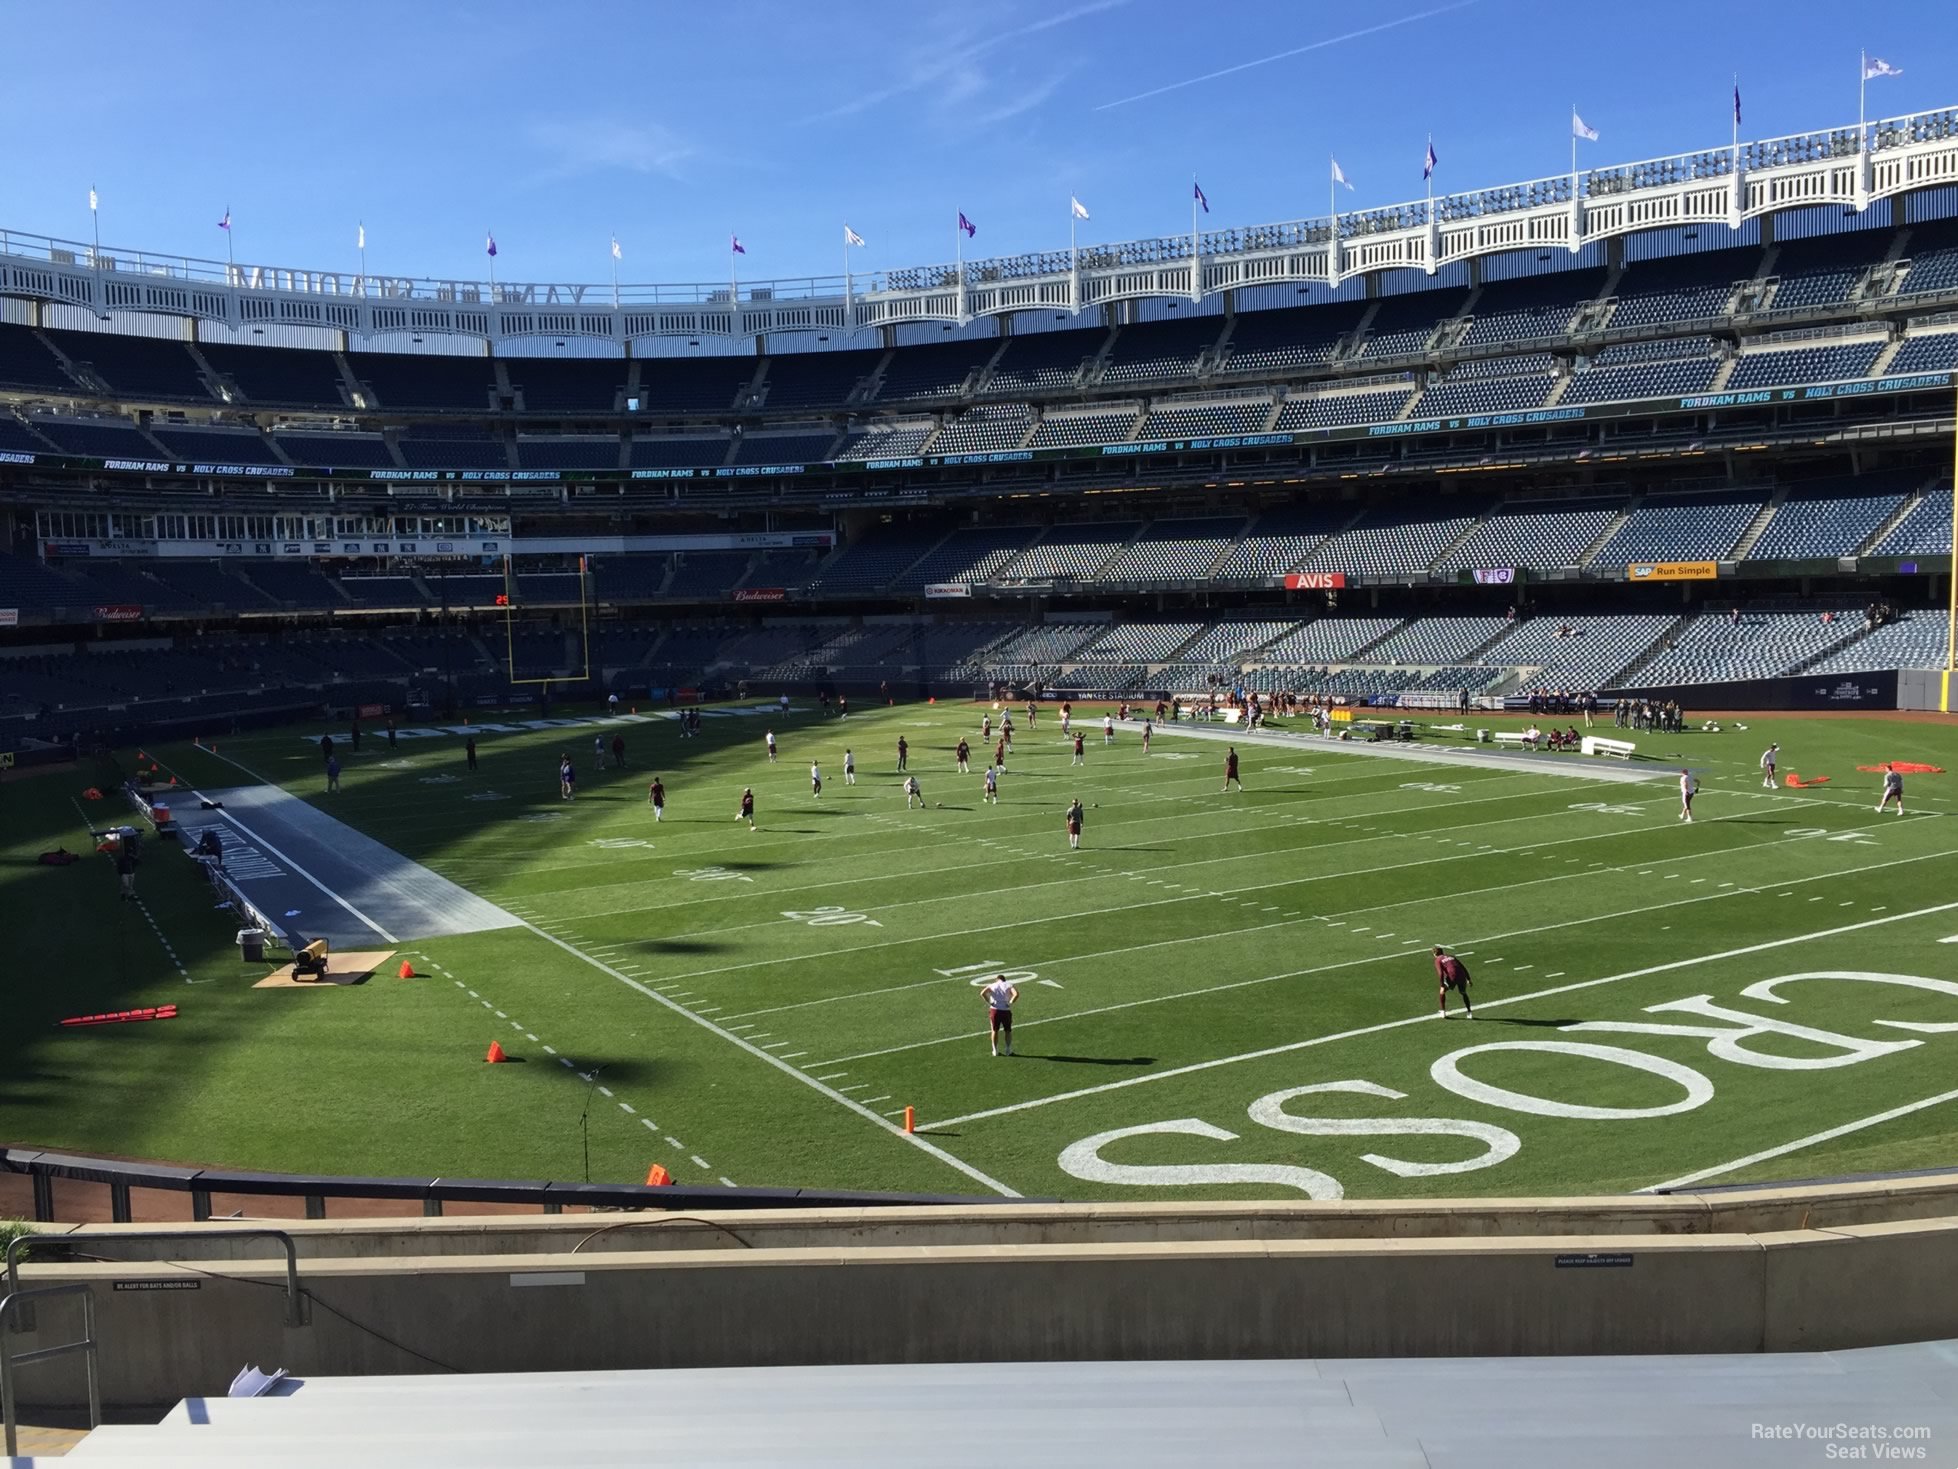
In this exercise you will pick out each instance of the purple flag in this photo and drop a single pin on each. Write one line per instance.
(1736, 104)
(735, 242)
(1428, 165)
(225, 223)
(1200, 198)
(967, 225)
(492, 245)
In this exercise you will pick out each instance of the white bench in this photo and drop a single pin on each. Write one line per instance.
(1599, 745)
(1507, 737)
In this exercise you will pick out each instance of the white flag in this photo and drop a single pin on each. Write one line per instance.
(615, 249)
(91, 201)
(1876, 67)
(1578, 129)
(1080, 210)
(360, 237)
(851, 237)
(1339, 175)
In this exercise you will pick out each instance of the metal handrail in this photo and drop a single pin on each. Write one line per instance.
(8, 1359)
(294, 1315)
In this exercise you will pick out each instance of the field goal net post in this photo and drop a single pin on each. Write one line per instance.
(547, 639)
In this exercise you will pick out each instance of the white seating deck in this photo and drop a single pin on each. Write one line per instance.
(1460, 1413)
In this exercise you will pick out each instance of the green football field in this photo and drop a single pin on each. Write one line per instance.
(1223, 994)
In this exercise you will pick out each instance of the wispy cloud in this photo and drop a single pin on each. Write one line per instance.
(951, 66)
(1211, 76)
(570, 147)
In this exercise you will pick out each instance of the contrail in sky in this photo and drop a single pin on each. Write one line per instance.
(1211, 76)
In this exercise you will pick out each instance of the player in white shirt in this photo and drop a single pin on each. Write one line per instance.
(1893, 788)
(1767, 765)
(1108, 729)
(1148, 728)
(849, 768)
(1000, 996)
(771, 747)
(913, 792)
(815, 779)
(992, 785)
(1688, 788)
(598, 751)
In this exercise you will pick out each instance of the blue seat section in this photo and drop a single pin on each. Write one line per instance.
(677, 452)
(1074, 551)
(1394, 541)
(708, 574)
(1540, 535)
(1832, 519)
(1287, 339)
(1484, 392)
(214, 446)
(135, 367)
(883, 441)
(1576, 654)
(1686, 288)
(804, 448)
(1714, 647)
(453, 448)
(455, 384)
(1702, 527)
(1042, 362)
(350, 451)
(284, 377)
(1084, 428)
(1936, 352)
(96, 438)
(1161, 351)
(1823, 271)
(542, 452)
(933, 369)
(1403, 324)
(969, 554)
(1792, 365)
(1279, 540)
(1926, 530)
(16, 437)
(1343, 410)
(672, 387)
(571, 385)
(1532, 308)
(1174, 550)
(1246, 416)
(27, 364)
(1914, 640)
(875, 558)
(986, 430)
(817, 379)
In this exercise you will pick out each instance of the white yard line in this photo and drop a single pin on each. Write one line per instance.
(923, 1144)
(1427, 1016)
(1828, 1135)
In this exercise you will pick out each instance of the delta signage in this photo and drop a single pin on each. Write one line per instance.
(1315, 581)
(1672, 571)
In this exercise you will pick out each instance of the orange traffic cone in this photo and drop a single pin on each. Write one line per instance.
(407, 970)
(495, 1053)
(910, 1120)
(658, 1177)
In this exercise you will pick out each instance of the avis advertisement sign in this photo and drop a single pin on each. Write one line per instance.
(1315, 581)
(1672, 571)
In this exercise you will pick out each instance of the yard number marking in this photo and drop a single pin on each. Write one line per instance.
(710, 874)
(830, 917)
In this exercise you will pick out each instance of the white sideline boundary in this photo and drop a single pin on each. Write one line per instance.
(1431, 1016)
(1520, 762)
(1800, 1143)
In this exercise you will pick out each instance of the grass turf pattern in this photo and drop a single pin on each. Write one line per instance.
(1222, 994)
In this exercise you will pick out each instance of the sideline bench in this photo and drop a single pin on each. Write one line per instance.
(1600, 745)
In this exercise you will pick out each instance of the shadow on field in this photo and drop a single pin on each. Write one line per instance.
(1524, 1020)
(618, 1070)
(1091, 1060)
(676, 946)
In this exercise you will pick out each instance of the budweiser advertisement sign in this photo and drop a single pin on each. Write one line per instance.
(1315, 581)
(761, 594)
(118, 612)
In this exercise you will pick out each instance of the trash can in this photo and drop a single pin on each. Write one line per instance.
(159, 815)
(251, 945)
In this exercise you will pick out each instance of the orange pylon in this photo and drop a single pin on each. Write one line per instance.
(495, 1053)
(407, 970)
(658, 1177)
(910, 1120)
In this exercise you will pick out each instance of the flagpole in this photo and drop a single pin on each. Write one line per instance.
(615, 272)
(1073, 256)
(492, 266)
(95, 219)
(1196, 252)
(362, 227)
(230, 260)
(1428, 175)
(1862, 86)
(848, 325)
(1573, 148)
(1736, 121)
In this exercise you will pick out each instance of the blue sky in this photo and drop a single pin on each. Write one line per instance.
(673, 124)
